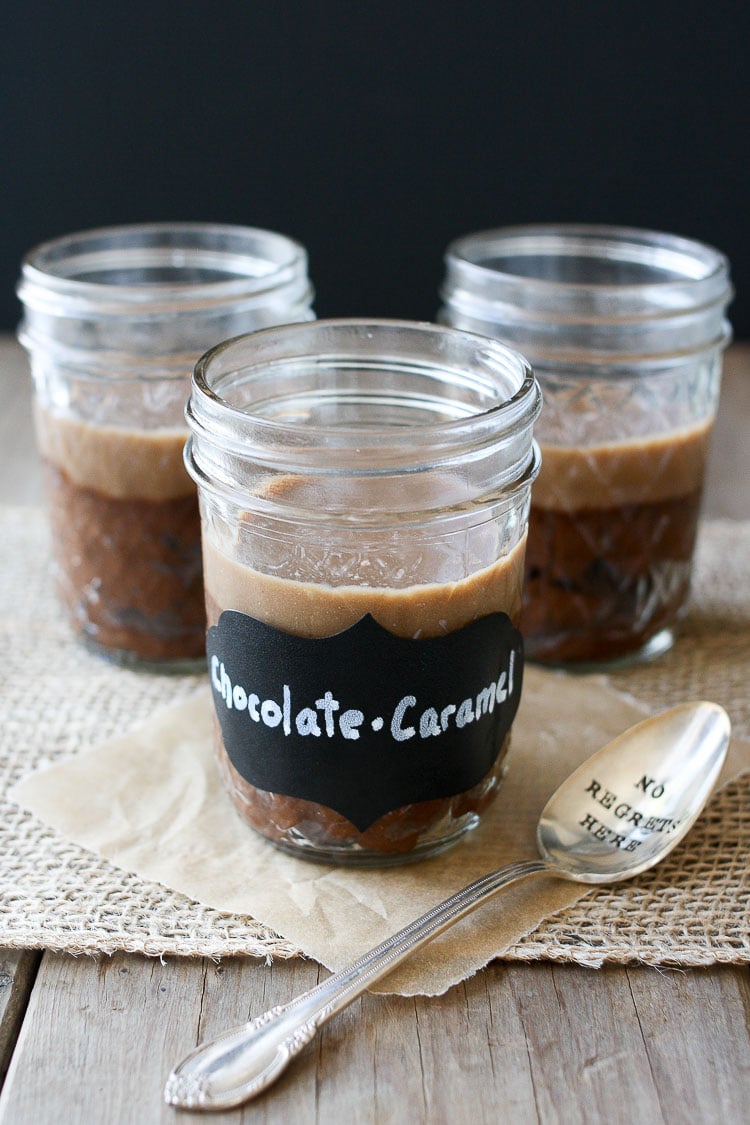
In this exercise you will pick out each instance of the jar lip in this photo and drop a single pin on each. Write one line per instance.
(254, 262)
(702, 263)
(519, 408)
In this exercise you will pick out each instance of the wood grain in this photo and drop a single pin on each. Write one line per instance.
(517, 1043)
(18, 969)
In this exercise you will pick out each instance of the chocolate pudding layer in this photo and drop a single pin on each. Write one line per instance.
(611, 538)
(406, 607)
(126, 537)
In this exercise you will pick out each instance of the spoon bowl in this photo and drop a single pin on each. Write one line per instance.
(617, 815)
(632, 802)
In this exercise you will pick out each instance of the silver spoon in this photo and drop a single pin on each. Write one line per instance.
(618, 814)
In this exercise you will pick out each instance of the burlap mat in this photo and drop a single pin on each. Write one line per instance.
(56, 700)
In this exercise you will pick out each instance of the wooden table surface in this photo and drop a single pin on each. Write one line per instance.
(89, 1040)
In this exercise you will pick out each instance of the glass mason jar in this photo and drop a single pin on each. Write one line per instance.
(114, 320)
(364, 491)
(625, 329)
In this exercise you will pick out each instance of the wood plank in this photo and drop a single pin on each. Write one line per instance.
(97, 1039)
(473, 1043)
(585, 1045)
(235, 990)
(701, 1018)
(18, 969)
(522, 1043)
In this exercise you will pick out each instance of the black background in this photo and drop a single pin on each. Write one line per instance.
(375, 132)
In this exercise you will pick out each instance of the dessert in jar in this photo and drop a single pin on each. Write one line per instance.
(126, 536)
(364, 492)
(114, 320)
(626, 331)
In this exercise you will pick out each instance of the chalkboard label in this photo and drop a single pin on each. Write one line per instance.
(364, 722)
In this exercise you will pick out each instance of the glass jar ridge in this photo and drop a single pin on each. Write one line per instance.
(589, 293)
(270, 401)
(141, 298)
(364, 483)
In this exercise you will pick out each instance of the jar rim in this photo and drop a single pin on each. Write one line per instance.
(238, 262)
(589, 293)
(701, 262)
(209, 408)
(375, 399)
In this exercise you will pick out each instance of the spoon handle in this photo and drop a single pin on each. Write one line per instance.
(240, 1063)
